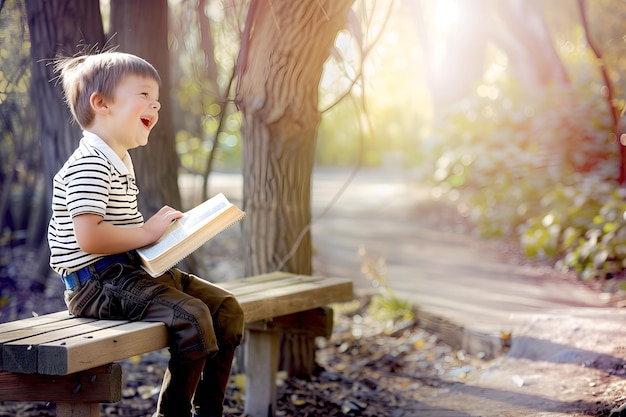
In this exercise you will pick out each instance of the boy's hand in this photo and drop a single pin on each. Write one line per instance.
(157, 224)
(97, 236)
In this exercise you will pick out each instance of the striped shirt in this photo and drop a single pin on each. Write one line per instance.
(94, 180)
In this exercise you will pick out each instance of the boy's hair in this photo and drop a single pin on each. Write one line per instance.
(83, 75)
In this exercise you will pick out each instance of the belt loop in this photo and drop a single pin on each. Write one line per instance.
(92, 270)
(78, 285)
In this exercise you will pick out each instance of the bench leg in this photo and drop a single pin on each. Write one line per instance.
(78, 409)
(261, 369)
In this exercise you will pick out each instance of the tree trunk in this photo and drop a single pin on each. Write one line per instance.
(526, 39)
(57, 27)
(283, 50)
(156, 165)
(619, 125)
(517, 27)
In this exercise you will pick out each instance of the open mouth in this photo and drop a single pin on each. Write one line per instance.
(146, 121)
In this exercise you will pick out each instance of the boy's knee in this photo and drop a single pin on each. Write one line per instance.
(201, 315)
(231, 321)
(232, 307)
(198, 333)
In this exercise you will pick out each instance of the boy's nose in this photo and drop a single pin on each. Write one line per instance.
(156, 105)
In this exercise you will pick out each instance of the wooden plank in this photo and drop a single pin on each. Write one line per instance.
(335, 287)
(97, 385)
(110, 344)
(317, 322)
(293, 299)
(257, 279)
(21, 355)
(253, 288)
(35, 321)
(32, 331)
(257, 284)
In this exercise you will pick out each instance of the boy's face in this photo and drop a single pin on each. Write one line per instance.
(133, 112)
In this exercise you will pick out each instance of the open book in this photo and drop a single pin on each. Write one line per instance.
(188, 233)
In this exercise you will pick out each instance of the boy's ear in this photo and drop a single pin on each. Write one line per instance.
(98, 103)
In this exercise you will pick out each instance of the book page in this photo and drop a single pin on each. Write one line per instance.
(201, 214)
(175, 233)
(182, 228)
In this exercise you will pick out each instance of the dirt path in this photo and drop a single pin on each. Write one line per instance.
(568, 340)
(568, 344)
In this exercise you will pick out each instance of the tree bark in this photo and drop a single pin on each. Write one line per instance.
(518, 27)
(525, 37)
(57, 27)
(283, 51)
(156, 165)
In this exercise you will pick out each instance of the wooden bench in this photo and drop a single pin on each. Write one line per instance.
(71, 361)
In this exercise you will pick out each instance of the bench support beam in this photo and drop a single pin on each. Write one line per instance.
(76, 395)
(78, 410)
(98, 385)
(261, 366)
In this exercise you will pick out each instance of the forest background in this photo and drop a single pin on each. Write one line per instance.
(512, 110)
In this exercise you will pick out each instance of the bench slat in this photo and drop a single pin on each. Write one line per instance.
(78, 353)
(257, 279)
(43, 328)
(34, 321)
(293, 299)
(262, 287)
(21, 355)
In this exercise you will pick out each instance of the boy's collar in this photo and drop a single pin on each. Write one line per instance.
(124, 166)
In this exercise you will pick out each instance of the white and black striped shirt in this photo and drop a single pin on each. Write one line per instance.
(93, 180)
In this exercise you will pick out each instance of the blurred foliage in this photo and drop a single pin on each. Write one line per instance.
(539, 169)
(20, 163)
(201, 97)
(381, 69)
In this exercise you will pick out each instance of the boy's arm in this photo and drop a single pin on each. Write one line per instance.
(97, 236)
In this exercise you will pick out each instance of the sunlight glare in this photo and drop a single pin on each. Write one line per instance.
(446, 15)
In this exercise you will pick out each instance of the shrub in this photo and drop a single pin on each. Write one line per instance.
(541, 171)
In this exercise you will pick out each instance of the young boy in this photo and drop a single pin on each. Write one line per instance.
(96, 226)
